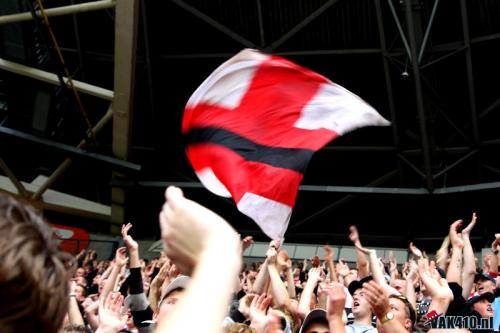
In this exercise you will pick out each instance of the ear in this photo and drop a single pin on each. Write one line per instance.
(408, 324)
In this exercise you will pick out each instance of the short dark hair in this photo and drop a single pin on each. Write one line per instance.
(33, 272)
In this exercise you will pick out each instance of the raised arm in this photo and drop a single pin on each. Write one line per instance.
(377, 273)
(132, 246)
(197, 241)
(74, 314)
(469, 268)
(440, 292)
(362, 263)
(120, 261)
(262, 279)
(454, 272)
(329, 263)
(307, 293)
(278, 290)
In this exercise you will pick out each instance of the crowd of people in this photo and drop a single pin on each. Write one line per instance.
(200, 284)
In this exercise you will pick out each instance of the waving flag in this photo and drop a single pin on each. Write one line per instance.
(254, 124)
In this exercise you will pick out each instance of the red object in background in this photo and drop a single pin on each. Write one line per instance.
(71, 239)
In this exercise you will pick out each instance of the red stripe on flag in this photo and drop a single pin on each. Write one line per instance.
(273, 103)
(241, 176)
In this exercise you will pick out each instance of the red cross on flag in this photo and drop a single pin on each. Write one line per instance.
(253, 125)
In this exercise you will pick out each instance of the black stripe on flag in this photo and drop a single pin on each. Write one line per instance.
(287, 158)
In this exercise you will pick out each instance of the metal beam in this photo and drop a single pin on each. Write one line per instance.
(419, 96)
(428, 31)
(454, 164)
(53, 79)
(72, 151)
(300, 26)
(67, 162)
(126, 22)
(387, 76)
(222, 28)
(400, 29)
(58, 11)
(20, 188)
(470, 74)
(344, 200)
(261, 24)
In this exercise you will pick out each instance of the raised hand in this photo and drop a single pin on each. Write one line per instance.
(129, 241)
(466, 231)
(121, 257)
(336, 301)
(246, 243)
(456, 238)
(188, 228)
(353, 235)
(110, 318)
(415, 250)
(328, 253)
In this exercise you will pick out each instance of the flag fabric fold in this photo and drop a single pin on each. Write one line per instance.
(253, 125)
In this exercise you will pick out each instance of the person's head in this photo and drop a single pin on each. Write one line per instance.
(75, 329)
(353, 274)
(399, 285)
(315, 322)
(80, 272)
(81, 281)
(482, 304)
(484, 284)
(80, 292)
(34, 273)
(403, 312)
(360, 307)
(172, 294)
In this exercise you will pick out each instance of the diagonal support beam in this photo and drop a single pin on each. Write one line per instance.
(400, 29)
(217, 25)
(20, 188)
(67, 162)
(300, 26)
(428, 31)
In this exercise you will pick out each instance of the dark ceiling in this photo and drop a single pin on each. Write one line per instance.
(437, 163)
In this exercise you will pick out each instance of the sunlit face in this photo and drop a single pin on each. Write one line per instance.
(484, 308)
(360, 306)
(353, 274)
(80, 272)
(398, 308)
(317, 328)
(399, 285)
(485, 286)
(168, 303)
(80, 293)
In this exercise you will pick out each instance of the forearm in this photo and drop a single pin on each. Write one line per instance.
(134, 258)
(469, 268)
(410, 293)
(336, 325)
(110, 282)
(331, 269)
(454, 273)
(261, 280)
(362, 264)
(290, 284)
(305, 298)
(378, 275)
(74, 314)
(206, 286)
(278, 290)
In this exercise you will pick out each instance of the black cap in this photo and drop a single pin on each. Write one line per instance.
(487, 296)
(356, 284)
(316, 315)
(483, 276)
